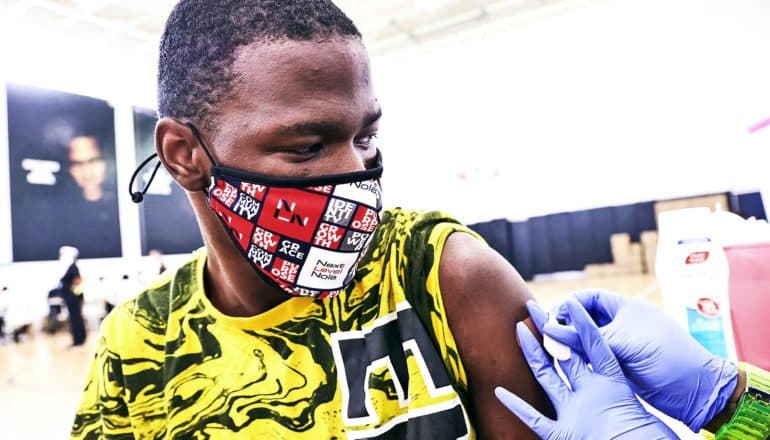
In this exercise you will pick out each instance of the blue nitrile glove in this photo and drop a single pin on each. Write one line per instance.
(600, 404)
(665, 366)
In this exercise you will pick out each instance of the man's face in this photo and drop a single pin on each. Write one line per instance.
(298, 109)
(87, 166)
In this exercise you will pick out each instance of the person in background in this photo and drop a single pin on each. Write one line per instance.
(635, 348)
(70, 288)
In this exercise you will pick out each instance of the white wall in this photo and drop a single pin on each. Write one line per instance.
(122, 78)
(37, 58)
(616, 102)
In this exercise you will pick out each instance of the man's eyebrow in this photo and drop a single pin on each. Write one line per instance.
(315, 127)
(372, 118)
(312, 127)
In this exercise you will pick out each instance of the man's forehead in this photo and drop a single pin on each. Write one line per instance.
(284, 68)
(287, 85)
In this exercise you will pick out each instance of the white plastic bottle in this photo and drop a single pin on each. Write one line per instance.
(693, 274)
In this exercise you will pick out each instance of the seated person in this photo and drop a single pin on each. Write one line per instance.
(310, 312)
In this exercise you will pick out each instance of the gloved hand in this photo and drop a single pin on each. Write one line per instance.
(665, 366)
(600, 404)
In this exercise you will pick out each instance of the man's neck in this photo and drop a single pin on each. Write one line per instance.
(231, 284)
(235, 289)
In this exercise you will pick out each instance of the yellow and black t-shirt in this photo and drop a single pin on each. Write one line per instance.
(377, 362)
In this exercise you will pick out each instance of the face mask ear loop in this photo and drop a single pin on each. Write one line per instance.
(197, 135)
(200, 141)
(138, 196)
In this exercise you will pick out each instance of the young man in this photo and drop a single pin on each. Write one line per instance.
(309, 313)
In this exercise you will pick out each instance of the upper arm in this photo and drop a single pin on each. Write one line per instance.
(484, 297)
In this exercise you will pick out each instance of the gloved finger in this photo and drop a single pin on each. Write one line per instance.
(566, 334)
(595, 347)
(541, 425)
(600, 304)
(538, 315)
(576, 370)
(561, 313)
(541, 366)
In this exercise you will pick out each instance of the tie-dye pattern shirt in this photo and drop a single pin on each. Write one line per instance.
(377, 362)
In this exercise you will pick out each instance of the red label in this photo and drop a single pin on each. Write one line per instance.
(697, 257)
(292, 212)
(328, 236)
(285, 270)
(708, 307)
(365, 219)
(254, 190)
(265, 239)
(225, 193)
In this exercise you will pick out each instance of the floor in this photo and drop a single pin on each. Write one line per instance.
(41, 379)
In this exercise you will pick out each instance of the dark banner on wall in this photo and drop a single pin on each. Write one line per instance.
(167, 220)
(62, 169)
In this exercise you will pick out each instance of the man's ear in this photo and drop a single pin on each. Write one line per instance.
(181, 154)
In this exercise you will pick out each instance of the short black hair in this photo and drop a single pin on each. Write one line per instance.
(201, 37)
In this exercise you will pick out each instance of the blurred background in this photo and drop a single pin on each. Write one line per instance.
(563, 131)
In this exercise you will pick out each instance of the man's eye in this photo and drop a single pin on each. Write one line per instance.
(308, 150)
(367, 141)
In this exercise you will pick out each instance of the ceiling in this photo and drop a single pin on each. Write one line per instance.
(389, 26)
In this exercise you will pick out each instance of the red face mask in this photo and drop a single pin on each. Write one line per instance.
(302, 235)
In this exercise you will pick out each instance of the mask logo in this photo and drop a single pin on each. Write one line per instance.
(225, 193)
(254, 190)
(246, 206)
(265, 239)
(327, 270)
(291, 249)
(292, 212)
(328, 236)
(285, 270)
(354, 241)
(287, 209)
(339, 212)
(366, 219)
(260, 256)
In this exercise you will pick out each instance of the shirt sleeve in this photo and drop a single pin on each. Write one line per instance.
(424, 240)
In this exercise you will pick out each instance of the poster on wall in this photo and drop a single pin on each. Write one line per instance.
(166, 218)
(62, 169)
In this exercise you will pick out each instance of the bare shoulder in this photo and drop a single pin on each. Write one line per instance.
(484, 297)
